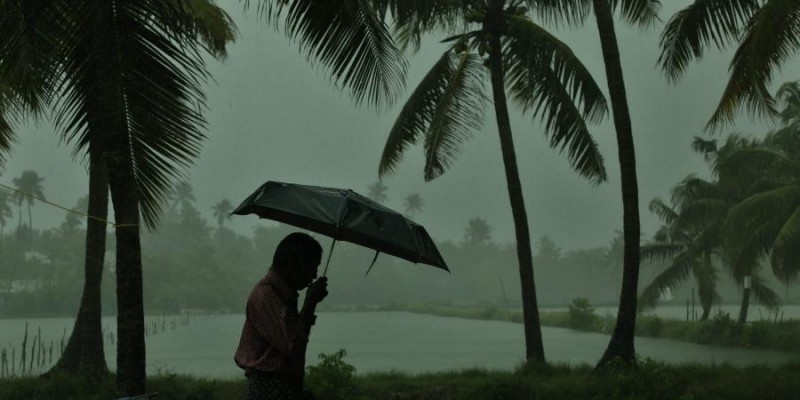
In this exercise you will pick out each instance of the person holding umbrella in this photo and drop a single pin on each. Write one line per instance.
(272, 346)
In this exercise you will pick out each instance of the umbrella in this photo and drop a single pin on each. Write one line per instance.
(344, 215)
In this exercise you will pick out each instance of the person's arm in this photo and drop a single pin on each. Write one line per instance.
(268, 316)
(314, 295)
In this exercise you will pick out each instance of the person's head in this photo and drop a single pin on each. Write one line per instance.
(296, 259)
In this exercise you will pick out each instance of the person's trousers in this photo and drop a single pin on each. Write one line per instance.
(265, 386)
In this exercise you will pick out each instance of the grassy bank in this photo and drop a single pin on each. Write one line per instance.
(721, 329)
(651, 381)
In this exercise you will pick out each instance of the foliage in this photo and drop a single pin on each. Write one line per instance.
(332, 378)
(651, 380)
(581, 314)
(766, 36)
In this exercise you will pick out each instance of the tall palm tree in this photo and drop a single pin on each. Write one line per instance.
(765, 223)
(642, 13)
(29, 186)
(129, 82)
(183, 195)
(766, 34)
(478, 232)
(377, 192)
(688, 250)
(413, 204)
(498, 40)
(222, 211)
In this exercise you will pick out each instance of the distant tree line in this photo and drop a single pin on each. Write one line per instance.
(193, 264)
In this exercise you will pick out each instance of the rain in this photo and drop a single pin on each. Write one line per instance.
(272, 110)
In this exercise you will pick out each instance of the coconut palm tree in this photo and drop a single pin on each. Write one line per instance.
(413, 204)
(642, 13)
(478, 232)
(766, 34)
(688, 252)
(222, 211)
(764, 224)
(29, 187)
(496, 40)
(128, 77)
(183, 195)
(377, 192)
(695, 230)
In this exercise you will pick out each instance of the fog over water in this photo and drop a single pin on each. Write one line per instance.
(272, 116)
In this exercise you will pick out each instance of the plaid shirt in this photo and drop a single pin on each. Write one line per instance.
(273, 337)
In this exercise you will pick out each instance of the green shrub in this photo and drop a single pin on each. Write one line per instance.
(581, 314)
(649, 326)
(332, 378)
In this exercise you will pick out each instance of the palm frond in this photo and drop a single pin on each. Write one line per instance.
(413, 18)
(573, 12)
(445, 107)
(699, 25)
(664, 212)
(661, 251)
(209, 23)
(701, 213)
(642, 13)
(350, 39)
(752, 226)
(673, 275)
(163, 77)
(772, 37)
(763, 294)
(458, 112)
(750, 164)
(7, 138)
(546, 78)
(30, 36)
(705, 147)
(785, 255)
(693, 188)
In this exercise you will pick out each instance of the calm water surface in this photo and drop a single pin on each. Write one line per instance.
(383, 341)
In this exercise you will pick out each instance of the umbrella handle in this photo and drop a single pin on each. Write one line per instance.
(330, 252)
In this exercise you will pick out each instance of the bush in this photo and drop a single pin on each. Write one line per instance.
(581, 314)
(649, 326)
(332, 378)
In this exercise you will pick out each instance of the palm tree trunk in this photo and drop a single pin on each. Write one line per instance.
(622, 340)
(125, 199)
(84, 353)
(534, 350)
(706, 287)
(745, 305)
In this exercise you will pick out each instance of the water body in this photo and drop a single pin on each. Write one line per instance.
(384, 341)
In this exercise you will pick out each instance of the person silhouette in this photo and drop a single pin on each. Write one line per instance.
(274, 337)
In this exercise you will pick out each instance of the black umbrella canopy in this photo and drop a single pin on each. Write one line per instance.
(344, 215)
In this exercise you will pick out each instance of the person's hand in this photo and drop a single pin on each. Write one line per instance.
(317, 290)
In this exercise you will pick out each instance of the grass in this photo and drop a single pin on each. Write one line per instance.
(652, 381)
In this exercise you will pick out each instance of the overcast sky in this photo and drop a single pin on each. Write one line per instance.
(273, 116)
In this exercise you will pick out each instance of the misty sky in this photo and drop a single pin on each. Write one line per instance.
(273, 116)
